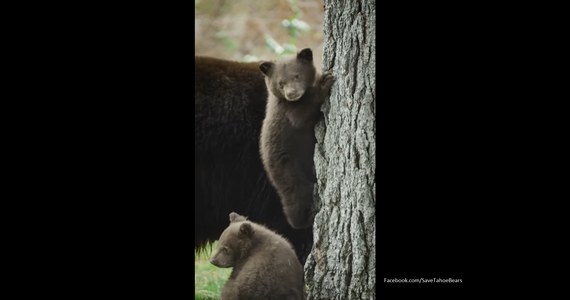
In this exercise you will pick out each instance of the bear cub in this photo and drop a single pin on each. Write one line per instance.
(287, 143)
(264, 263)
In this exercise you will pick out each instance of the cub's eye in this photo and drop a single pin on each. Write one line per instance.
(281, 84)
(296, 76)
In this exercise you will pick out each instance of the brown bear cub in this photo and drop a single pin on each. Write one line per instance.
(287, 142)
(264, 263)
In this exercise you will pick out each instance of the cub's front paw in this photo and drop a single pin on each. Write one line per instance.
(326, 81)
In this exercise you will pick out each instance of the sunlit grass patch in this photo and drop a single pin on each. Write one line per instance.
(208, 279)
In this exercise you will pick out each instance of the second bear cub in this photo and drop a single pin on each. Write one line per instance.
(287, 142)
(264, 263)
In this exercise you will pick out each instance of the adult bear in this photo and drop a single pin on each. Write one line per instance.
(229, 108)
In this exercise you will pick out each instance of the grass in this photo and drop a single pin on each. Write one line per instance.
(208, 279)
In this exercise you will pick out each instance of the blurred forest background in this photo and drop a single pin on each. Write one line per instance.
(253, 30)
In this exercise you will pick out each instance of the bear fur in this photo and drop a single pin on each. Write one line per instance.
(295, 95)
(264, 263)
(229, 102)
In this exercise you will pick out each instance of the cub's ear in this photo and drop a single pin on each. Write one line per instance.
(305, 54)
(234, 217)
(266, 67)
(245, 231)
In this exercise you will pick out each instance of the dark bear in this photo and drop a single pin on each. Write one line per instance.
(229, 103)
(264, 263)
(296, 93)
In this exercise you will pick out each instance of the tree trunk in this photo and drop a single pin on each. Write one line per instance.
(342, 264)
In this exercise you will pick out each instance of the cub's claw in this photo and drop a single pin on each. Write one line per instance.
(326, 81)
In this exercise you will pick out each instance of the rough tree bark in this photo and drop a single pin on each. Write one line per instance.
(342, 264)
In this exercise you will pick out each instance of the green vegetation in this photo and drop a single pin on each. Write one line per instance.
(208, 279)
(253, 30)
(294, 26)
